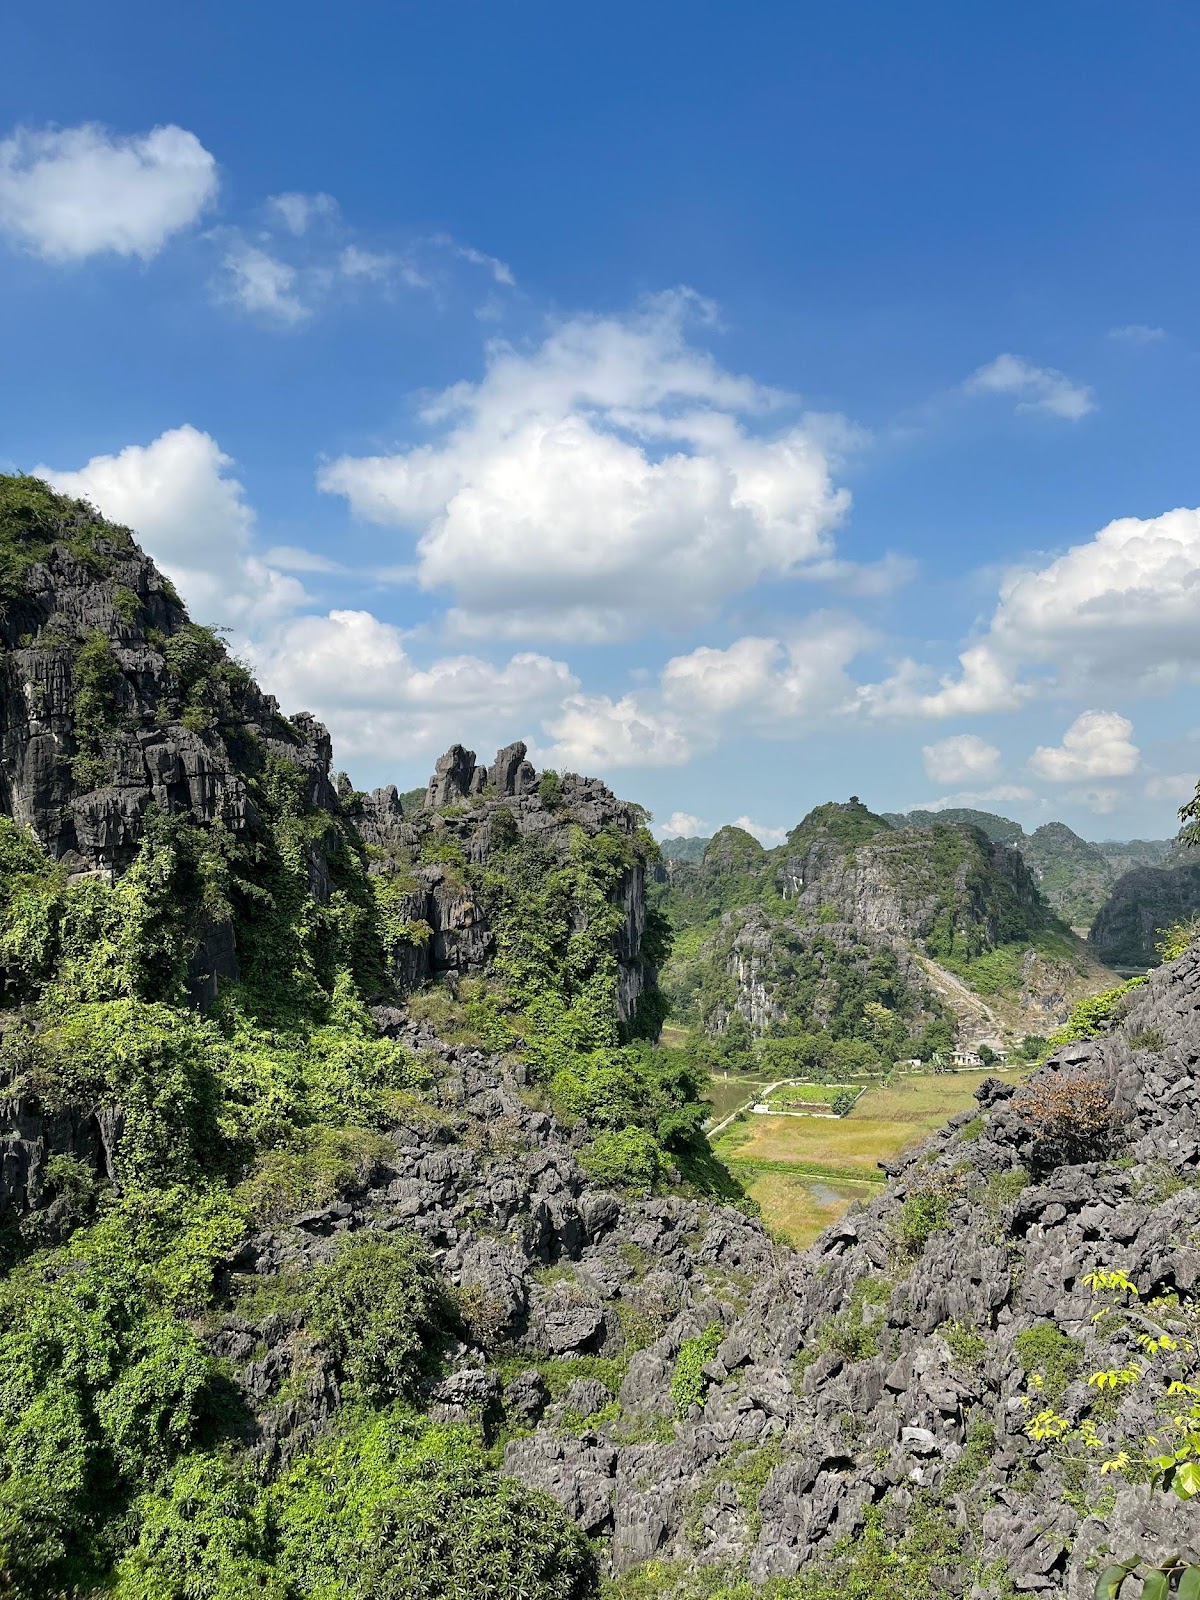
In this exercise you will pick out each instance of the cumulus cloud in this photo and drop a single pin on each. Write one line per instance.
(192, 517)
(1096, 745)
(1117, 613)
(1123, 606)
(778, 688)
(354, 672)
(985, 682)
(1037, 388)
(68, 193)
(604, 481)
(960, 759)
(1137, 333)
(682, 825)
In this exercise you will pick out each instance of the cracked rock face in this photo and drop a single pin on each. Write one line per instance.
(93, 818)
(469, 807)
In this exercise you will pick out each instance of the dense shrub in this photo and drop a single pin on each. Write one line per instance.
(1053, 1356)
(1070, 1116)
(381, 1307)
(626, 1158)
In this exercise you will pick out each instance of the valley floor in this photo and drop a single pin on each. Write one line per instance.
(806, 1172)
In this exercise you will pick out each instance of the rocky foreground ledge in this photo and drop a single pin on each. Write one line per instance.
(890, 1366)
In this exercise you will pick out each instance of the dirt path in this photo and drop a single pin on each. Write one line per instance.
(973, 1012)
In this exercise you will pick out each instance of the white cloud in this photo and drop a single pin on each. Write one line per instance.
(1176, 786)
(985, 683)
(501, 272)
(192, 517)
(682, 825)
(353, 671)
(1123, 607)
(1039, 388)
(761, 832)
(1137, 333)
(960, 759)
(263, 285)
(68, 193)
(1119, 613)
(773, 687)
(997, 794)
(293, 558)
(1096, 745)
(592, 732)
(603, 482)
(297, 212)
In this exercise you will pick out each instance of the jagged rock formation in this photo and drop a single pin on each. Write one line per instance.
(470, 812)
(886, 1367)
(1142, 905)
(112, 702)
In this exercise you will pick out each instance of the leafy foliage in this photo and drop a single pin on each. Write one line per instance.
(689, 1381)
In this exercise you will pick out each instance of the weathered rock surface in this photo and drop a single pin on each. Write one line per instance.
(1143, 904)
(848, 1400)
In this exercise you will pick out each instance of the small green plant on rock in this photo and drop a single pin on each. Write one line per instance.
(689, 1381)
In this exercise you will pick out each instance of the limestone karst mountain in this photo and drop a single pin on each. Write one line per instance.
(356, 1239)
(940, 924)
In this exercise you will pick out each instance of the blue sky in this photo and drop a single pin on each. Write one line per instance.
(749, 404)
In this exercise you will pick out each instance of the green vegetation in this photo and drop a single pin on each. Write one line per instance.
(924, 1212)
(1095, 1015)
(688, 1381)
(33, 518)
(850, 1333)
(1001, 970)
(120, 1460)
(1050, 1355)
(389, 1509)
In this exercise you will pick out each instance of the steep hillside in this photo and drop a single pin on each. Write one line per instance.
(939, 926)
(208, 1084)
(1141, 906)
(1074, 875)
(355, 1244)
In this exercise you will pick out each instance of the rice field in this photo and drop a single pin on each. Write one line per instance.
(806, 1171)
(799, 1208)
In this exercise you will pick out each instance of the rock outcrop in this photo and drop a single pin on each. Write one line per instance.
(848, 890)
(112, 702)
(892, 1370)
(470, 812)
(1141, 907)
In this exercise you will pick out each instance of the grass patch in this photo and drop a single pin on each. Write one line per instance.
(797, 1208)
(886, 1121)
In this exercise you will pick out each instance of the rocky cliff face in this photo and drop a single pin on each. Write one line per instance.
(112, 702)
(470, 813)
(1142, 905)
(878, 1387)
(849, 885)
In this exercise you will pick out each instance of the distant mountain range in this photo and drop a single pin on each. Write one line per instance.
(1119, 894)
(856, 925)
